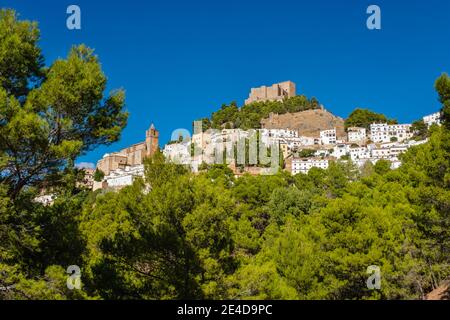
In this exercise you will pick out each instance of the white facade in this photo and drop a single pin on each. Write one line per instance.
(303, 165)
(228, 135)
(389, 150)
(381, 153)
(179, 153)
(395, 151)
(328, 137)
(356, 134)
(401, 131)
(379, 132)
(279, 133)
(268, 136)
(434, 118)
(204, 147)
(395, 163)
(359, 153)
(383, 132)
(322, 153)
(307, 141)
(298, 142)
(124, 177)
(201, 139)
(387, 145)
(341, 150)
(412, 143)
(46, 199)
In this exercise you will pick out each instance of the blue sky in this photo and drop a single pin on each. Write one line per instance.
(180, 60)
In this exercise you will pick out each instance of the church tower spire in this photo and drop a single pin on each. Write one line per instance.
(151, 141)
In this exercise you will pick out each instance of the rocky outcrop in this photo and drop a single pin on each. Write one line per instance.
(309, 123)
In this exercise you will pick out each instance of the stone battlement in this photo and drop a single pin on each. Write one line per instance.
(276, 92)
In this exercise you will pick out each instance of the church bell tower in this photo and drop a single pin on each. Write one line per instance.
(151, 141)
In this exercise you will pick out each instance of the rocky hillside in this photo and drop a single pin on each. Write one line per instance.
(309, 122)
(440, 293)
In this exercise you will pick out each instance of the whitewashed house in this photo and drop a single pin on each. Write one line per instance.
(379, 132)
(299, 142)
(383, 132)
(381, 153)
(179, 153)
(303, 165)
(359, 153)
(395, 151)
(434, 118)
(356, 134)
(328, 137)
(341, 150)
(46, 199)
(268, 136)
(124, 176)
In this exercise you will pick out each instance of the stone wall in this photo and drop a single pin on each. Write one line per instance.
(276, 92)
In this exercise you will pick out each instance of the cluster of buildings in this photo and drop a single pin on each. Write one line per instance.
(358, 154)
(120, 168)
(383, 141)
(235, 146)
(360, 145)
(434, 118)
(383, 132)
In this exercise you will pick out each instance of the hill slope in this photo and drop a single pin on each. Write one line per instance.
(309, 122)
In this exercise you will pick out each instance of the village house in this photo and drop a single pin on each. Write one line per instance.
(357, 153)
(303, 165)
(383, 132)
(434, 118)
(356, 134)
(328, 137)
(122, 177)
(179, 153)
(381, 153)
(341, 150)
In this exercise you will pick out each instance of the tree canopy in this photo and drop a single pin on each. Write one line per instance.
(249, 116)
(49, 115)
(364, 117)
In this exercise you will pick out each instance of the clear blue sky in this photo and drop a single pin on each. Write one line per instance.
(180, 60)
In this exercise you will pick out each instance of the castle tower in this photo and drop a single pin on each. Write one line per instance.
(151, 141)
(276, 92)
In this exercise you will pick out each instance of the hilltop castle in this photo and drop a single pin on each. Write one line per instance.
(131, 156)
(276, 92)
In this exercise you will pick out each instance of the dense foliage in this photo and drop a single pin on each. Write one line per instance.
(174, 234)
(364, 117)
(250, 115)
(48, 117)
(280, 237)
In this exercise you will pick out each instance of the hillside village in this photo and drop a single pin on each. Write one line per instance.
(301, 149)
(273, 199)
